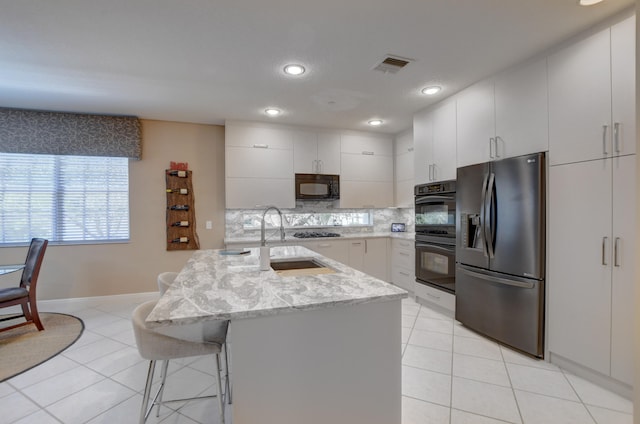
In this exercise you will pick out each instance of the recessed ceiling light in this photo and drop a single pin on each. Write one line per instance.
(294, 69)
(375, 122)
(430, 91)
(272, 111)
(588, 2)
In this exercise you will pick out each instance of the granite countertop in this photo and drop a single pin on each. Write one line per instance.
(212, 286)
(290, 239)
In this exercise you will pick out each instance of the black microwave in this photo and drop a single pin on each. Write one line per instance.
(317, 187)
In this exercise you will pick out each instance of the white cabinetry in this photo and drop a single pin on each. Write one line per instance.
(591, 264)
(366, 177)
(504, 116)
(435, 134)
(591, 97)
(316, 152)
(403, 263)
(335, 249)
(404, 170)
(258, 166)
(371, 256)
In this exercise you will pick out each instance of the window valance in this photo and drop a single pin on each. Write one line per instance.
(75, 134)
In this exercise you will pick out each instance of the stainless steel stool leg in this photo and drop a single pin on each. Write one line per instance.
(227, 380)
(165, 370)
(219, 386)
(147, 392)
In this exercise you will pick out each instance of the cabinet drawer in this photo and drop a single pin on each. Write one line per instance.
(403, 244)
(403, 277)
(435, 296)
(403, 258)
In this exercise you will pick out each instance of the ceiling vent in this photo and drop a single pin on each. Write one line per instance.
(392, 64)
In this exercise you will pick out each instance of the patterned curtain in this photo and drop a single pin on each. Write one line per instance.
(55, 133)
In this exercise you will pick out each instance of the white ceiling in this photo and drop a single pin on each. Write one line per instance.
(208, 61)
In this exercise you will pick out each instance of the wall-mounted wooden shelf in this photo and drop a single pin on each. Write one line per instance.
(181, 215)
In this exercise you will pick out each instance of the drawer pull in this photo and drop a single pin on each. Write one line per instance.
(364, 152)
(324, 245)
(404, 253)
(433, 296)
(406, 274)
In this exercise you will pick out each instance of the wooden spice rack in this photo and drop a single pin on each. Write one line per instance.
(176, 196)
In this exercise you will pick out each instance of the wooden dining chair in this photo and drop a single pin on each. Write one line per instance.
(25, 294)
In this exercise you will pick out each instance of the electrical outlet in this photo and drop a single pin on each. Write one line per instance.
(209, 225)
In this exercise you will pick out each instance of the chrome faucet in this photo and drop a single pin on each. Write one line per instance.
(263, 240)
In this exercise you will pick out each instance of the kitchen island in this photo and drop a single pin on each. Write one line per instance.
(306, 346)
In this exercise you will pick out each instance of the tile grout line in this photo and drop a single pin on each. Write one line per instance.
(513, 391)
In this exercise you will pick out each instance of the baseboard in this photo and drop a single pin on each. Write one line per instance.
(101, 300)
(595, 377)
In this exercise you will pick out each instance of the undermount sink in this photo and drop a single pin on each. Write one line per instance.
(298, 267)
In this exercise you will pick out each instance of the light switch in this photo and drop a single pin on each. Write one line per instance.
(209, 225)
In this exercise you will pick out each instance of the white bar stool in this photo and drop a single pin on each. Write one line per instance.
(154, 346)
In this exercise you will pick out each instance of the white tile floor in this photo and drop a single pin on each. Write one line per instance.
(450, 375)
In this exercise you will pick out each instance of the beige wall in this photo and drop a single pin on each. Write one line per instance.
(107, 269)
(636, 391)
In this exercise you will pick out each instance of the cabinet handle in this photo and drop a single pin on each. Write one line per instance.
(404, 253)
(261, 146)
(356, 243)
(497, 149)
(430, 177)
(435, 172)
(324, 245)
(364, 152)
(604, 139)
(616, 136)
(491, 147)
(615, 252)
(320, 164)
(433, 296)
(604, 243)
(410, 149)
(406, 274)
(365, 246)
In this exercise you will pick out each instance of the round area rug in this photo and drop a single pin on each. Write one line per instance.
(25, 347)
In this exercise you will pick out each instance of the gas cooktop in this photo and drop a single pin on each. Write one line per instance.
(314, 234)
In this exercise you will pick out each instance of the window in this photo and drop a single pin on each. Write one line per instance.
(310, 219)
(63, 198)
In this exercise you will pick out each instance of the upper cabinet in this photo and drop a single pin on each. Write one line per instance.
(316, 152)
(366, 176)
(522, 119)
(435, 143)
(505, 116)
(404, 170)
(592, 97)
(258, 166)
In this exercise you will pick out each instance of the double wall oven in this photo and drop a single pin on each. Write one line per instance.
(435, 205)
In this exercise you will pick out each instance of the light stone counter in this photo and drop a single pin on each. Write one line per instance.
(233, 241)
(213, 286)
(315, 349)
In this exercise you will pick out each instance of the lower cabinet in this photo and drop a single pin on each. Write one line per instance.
(403, 266)
(338, 250)
(371, 256)
(437, 297)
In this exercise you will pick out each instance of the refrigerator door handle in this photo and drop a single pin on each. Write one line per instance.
(489, 227)
(483, 214)
(499, 280)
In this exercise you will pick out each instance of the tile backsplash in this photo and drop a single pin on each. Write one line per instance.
(382, 219)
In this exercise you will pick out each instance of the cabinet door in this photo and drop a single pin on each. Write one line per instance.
(475, 122)
(376, 258)
(356, 254)
(242, 135)
(252, 193)
(365, 144)
(357, 167)
(250, 162)
(522, 116)
(305, 152)
(329, 153)
(579, 252)
(623, 84)
(366, 194)
(336, 249)
(444, 142)
(623, 278)
(403, 167)
(422, 146)
(580, 101)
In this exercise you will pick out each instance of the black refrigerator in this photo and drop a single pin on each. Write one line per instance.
(500, 250)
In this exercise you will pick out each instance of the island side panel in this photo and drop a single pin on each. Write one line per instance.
(335, 365)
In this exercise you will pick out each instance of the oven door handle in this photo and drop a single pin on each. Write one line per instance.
(420, 200)
(431, 246)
